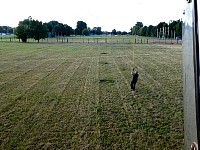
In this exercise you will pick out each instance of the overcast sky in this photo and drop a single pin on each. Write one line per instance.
(108, 14)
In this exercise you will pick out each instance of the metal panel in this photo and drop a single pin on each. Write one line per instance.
(189, 69)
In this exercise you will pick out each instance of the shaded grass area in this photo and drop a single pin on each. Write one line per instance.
(77, 96)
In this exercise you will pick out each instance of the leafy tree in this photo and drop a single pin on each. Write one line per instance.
(177, 27)
(114, 32)
(1, 29)
(105, 32)
(23, 30)
(29, 28)
(124, 33)
(142, 31)
(133, 30)
(93, 31)
(98, 32)
(119, 32)
(38, 30)
(58, 29)
(149, 30)
(52, 27)
(89, 29)
(77, 31)
(161, 25)
(153, 31)
(85, 32)
(137, 27)
(68, 30)
(80, 27)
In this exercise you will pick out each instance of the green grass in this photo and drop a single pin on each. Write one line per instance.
(77, 96)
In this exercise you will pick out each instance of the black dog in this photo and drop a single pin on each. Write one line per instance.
(135, 75)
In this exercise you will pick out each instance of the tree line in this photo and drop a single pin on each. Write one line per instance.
(30, 28)
(172, 29)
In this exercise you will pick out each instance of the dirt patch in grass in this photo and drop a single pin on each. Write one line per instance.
(106, 81)
(104, 53)
(103, 63)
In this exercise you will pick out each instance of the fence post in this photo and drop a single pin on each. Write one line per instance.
(141, 41)
(147, 41)
(88, 40)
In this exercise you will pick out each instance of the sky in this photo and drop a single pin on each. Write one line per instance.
(107, 14)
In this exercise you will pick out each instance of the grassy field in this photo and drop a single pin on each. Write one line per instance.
(77, 96)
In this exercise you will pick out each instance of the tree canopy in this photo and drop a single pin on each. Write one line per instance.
(58, 29)
(23, 30)
(114, 32)
(80, 27)
(85, 32)
(29, 28)
(174, 28)
(38, 30)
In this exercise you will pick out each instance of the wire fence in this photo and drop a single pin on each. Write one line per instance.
(109, 40)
